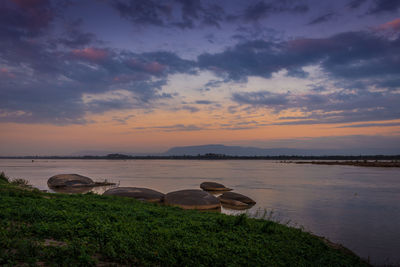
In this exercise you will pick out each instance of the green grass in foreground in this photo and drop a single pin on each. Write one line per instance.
(55, 229)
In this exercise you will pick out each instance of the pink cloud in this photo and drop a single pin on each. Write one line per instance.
(92, 54)
(153, 67)
(391, 25)
(5, 72)
(127, 78)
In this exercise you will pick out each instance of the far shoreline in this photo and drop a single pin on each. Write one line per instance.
(364, 163)
(366, 160)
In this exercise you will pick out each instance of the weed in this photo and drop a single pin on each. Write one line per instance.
(20, 182)
(3, 178)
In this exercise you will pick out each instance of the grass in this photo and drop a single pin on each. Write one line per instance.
(39, 228)
(17, 181)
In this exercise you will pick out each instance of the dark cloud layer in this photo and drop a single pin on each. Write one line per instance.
(262, 9)
(58, 76)
(165, 13)
(45, 76)
(187, 14)
(25, 18)
(356, 3)
(384, 6)
(53, 92)
(346, 55)
(323, 18)
(74, 37)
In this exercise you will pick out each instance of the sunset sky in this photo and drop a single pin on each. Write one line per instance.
(147, 75)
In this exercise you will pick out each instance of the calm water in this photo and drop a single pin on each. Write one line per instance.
(355, 206)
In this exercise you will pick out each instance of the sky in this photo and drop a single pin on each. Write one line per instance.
(142, 76)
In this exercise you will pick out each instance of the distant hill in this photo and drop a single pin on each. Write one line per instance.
(255, 151)
(247, 151)
(243, 151)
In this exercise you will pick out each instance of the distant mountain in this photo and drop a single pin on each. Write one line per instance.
(254, 151)
(248, 151)
(242, 151)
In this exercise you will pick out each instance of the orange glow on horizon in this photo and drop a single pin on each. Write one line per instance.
(159, 130)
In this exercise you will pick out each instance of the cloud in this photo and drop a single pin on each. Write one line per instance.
(5, 73)
(44, 83)
(393, 25)
(195, 10)
(174, 128)
(191, 109)
(152, 67)
(73, 36)
(184, 14)
(257, 32)
(189, 14)
(336, 107)
(46, 74)
(363, 125)
(262, 9)
(353, 4)
(204, 102)
(348, 56)
(41, 103)
(262, 99)
(239, 128)
(257, 11)
(122, 119)
(28, 18)
(323, 18)
(35, 15)
(142, 12)
(255, 58)
(193, 127)
(384, 6)
(159, 62)
(91, 54)
(348, 144)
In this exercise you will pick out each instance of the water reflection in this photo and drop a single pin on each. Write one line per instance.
(101, 189)
(71, 190)
(81, 190)
(215, 193)
(229, 209)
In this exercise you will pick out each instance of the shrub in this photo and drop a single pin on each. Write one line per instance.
(4, 178)
(20, 182)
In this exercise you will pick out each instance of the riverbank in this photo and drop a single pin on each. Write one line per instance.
(209, 156)
(381, 164)
(57, 229)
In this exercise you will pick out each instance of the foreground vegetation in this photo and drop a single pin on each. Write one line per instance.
(38, 228)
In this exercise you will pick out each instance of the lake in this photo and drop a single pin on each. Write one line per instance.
(358, 207)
